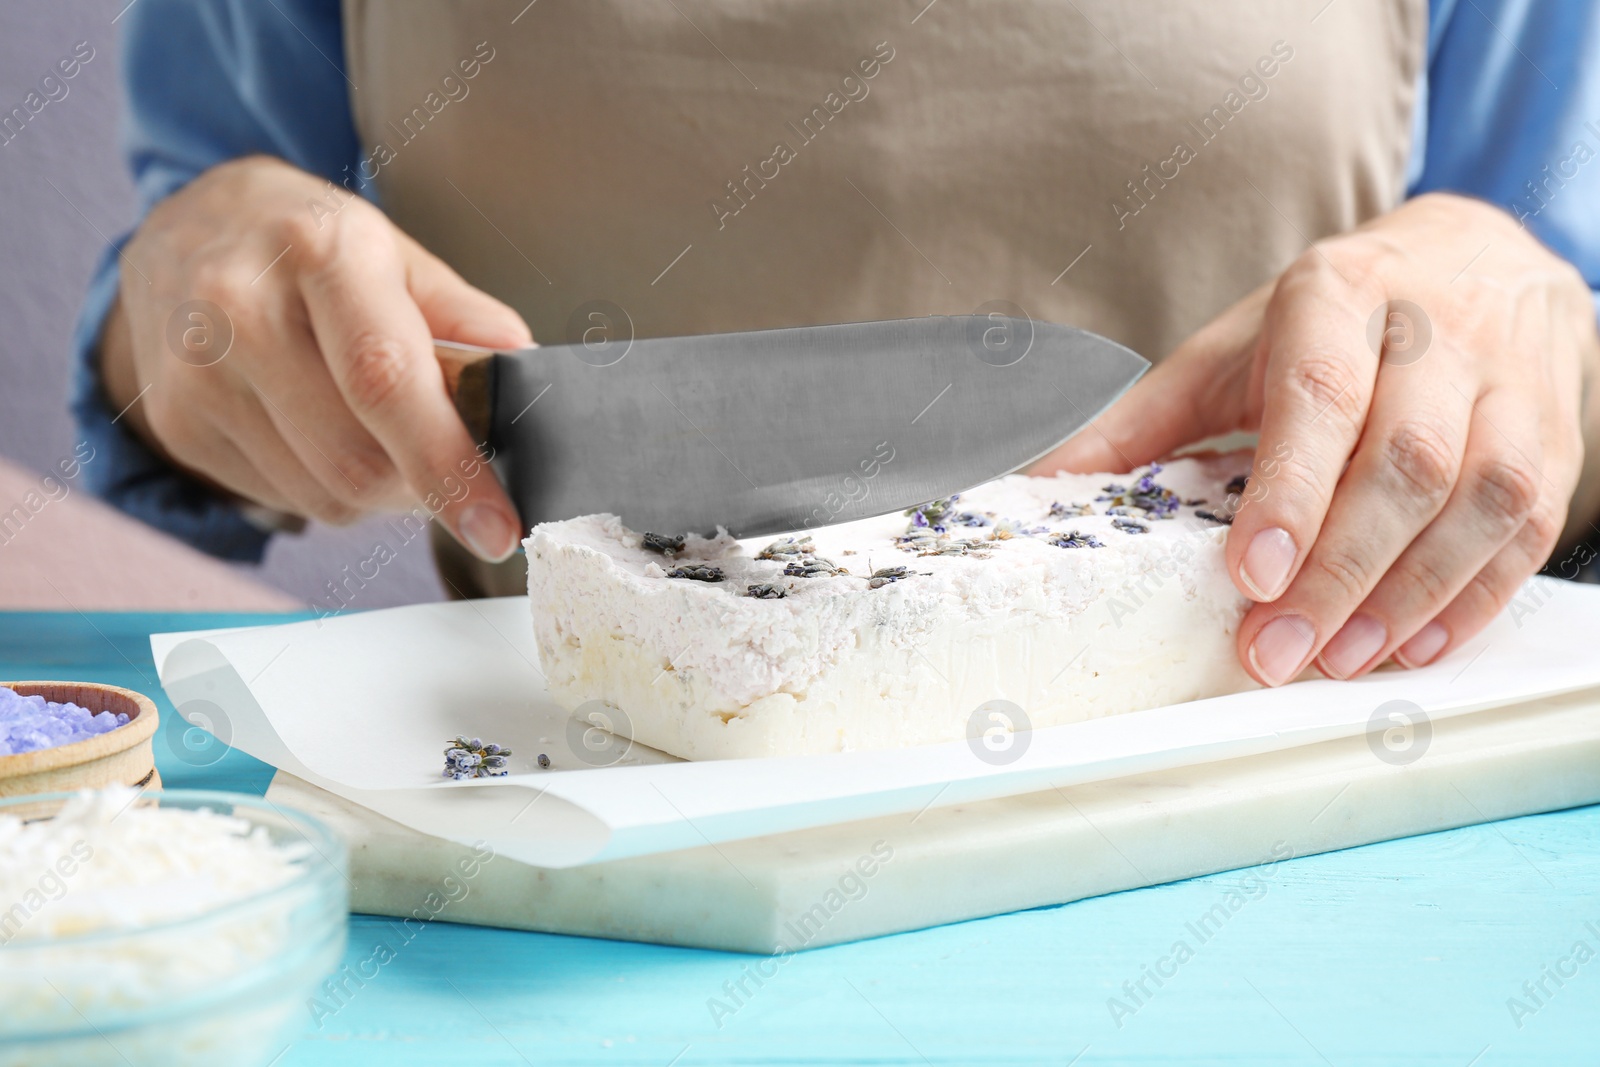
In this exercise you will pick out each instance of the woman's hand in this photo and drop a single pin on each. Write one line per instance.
(276, 333)
(1397, 501)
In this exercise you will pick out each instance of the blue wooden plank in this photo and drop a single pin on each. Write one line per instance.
(1408, 952)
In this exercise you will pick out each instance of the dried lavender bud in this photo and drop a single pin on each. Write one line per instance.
(667, 546)
(947, 547)
(969, 518)
(696, 572)
(544, 761)
(1074, 539)
(766, 591)
(1213, 516)
(816, 567)
(1070, 511)
(1006, 529)
(787, 548)
(918, 538)
(1154, 500)
(884, 575)
(932, 514)
(465, 758)
(1131, 526)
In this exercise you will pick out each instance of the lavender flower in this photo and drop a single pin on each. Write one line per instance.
(785, 549)
(932, 514)
(667, 546)
(884, 575)
(465, 758)
(1074, 539)
(696, 572)
(815, 567)
(1146, 499)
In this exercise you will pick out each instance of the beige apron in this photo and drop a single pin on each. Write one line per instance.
(709, 165)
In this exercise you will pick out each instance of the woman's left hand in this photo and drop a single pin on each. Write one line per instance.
(1397, 500)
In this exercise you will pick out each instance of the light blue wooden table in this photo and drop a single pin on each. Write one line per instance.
(1401, 953)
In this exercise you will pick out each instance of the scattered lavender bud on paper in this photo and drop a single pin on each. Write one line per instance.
(465, 759)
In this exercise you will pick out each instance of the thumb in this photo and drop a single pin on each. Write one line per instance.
(455, 310)
(1198, 391)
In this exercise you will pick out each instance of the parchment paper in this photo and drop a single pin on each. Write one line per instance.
(363, 704)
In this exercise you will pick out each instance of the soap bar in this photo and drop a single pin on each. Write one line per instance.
(1024, 603)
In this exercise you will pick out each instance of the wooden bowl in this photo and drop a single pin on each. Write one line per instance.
(119, 757)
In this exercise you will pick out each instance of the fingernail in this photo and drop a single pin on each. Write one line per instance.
(1281, 648)
(1423, 646)
(488, 532)
(1356, 642)
(1265, 568)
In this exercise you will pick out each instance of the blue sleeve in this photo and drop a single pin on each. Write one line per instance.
(1513, 116)
(207, 81)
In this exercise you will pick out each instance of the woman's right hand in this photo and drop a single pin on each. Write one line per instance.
(273, 337)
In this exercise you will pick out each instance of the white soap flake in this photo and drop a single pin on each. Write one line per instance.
(130, 866)
(143, 877)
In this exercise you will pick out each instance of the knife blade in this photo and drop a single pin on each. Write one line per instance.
(777, 430)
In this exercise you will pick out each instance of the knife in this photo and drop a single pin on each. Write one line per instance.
(779, 430)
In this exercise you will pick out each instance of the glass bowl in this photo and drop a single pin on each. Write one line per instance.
(225, 987)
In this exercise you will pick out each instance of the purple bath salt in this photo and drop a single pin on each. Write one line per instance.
(28, 724)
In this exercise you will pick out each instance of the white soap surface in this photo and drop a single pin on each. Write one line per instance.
(998, 602)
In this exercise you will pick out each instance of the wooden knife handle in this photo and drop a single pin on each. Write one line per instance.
(467, 376)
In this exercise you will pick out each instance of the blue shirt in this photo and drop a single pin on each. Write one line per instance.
(1510, 112)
